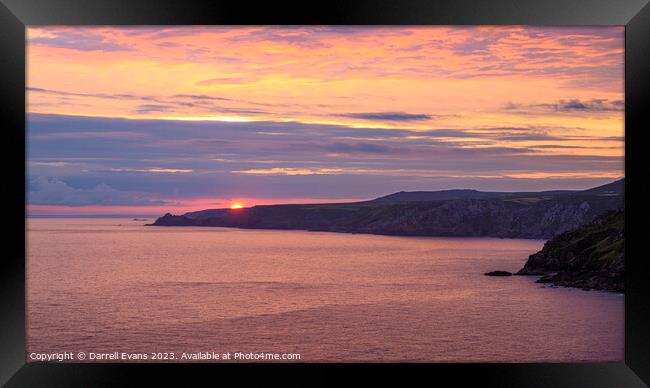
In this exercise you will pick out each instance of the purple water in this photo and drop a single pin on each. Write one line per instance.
(115, 285)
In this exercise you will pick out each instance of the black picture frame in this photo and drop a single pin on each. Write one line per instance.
(15, 15)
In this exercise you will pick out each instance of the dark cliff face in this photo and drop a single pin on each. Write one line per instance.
(591, 256)
(528, 215)
(508, 218)
(171, 220)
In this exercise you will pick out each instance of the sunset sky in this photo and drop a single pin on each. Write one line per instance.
(146, 120)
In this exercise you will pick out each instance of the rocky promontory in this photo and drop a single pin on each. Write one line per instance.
(451, 213)
(588, 257)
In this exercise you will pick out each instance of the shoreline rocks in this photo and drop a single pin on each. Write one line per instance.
(498, 273)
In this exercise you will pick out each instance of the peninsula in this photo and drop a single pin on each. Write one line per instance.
(450, 213)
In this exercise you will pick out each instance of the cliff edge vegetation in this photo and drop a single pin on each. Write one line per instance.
(588, 257)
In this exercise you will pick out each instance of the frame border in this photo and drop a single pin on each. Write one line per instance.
(15, 15)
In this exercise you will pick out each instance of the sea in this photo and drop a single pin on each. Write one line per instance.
(116, 290)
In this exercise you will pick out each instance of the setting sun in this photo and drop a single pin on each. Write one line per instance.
(236, 205)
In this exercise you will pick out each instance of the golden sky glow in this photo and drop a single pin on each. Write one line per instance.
(544, 91)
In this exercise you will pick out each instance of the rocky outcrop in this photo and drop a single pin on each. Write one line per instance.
(172, 220)
(498, 273)
(588, 257)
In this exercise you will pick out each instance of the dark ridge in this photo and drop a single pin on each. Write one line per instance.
(456, 213)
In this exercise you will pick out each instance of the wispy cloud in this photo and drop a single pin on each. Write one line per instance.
(154, 108)
(290, 171)
(115, 96)
(349, 148)
(177, 103)
(225, 81)
(569, 106)
(79, 40)
(153, 170)
(388, 116)
(47, 164)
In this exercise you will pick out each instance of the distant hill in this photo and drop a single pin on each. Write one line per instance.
(443, 195)
(614, 188)
(436, 213)
(447, 195)
(591, 256)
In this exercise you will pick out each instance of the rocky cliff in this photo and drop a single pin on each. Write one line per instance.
(590, 257)
(461, 213)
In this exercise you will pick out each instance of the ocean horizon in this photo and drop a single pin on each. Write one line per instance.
(114, 285)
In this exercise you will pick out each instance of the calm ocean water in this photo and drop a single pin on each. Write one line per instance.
(115, 285)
